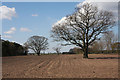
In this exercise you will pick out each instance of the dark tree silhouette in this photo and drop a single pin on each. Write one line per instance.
(83, 27)
(12, 49)
(37, 44)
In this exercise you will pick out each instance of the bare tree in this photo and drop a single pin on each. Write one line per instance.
(57, 49)
(101, 45)
(83, 27)
(37, 43)
(98, 45)
(109, 39)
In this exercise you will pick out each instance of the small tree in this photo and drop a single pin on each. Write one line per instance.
(98, 45)
(57, 49)
(83, 27)
(109, 39)
(37, 44)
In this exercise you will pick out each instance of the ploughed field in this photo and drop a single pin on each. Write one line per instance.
(60, 66)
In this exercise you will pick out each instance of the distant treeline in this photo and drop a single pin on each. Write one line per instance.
(104, 52)
(12, 49)
(91, 51)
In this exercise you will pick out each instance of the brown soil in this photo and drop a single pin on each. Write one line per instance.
(61, 66)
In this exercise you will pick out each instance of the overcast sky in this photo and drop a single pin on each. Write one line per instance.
(21, 20)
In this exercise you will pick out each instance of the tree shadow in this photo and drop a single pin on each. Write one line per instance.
(105, 58)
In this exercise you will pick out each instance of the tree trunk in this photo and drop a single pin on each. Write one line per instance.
(38, 53)
(85, 54)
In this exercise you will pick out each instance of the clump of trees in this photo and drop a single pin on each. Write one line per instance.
(76, 50)
(107, 44)
(83, 27)
(12, 49)
(116, 46)
(110, 39)
(37, 44)
(98, 46)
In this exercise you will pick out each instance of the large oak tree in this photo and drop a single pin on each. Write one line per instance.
(83, 27)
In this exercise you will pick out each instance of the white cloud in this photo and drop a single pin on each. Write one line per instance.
(12, 30)
(25, 30)
(111, 5)
(7, 36)
(34, 14)
(63, 20)
(103, 5)
(7, 13)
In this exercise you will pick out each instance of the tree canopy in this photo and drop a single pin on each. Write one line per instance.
(83, 27)
(37, 43)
